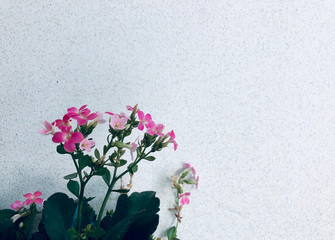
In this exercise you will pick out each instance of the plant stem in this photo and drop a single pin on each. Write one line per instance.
(114, 180)
(81, 194)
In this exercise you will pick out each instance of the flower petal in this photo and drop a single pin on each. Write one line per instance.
(58, 137)
(37, 194)
(39, 200)
(69, 146)
(28, 195)
(76, 137)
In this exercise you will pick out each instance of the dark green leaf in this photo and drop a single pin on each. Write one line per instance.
(105, 149)
(122, 152)
(107, 177)
(96, 233)
(84, 161)
(61, 150)
(121, 190)
(73, 234)
(58, 215)
(71, 176)
(132, 168)
(150, 158)
(73, 187)
(5, 214)
(97, 154)
(100, 171)
(122, 162)
(135, 217)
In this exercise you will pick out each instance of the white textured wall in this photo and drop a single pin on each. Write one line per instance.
(248, 87)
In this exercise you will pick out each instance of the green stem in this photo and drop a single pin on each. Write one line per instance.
(114, 180)
(109, 191)
(81, 194)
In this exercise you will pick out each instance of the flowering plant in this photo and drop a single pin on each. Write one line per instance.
(135, 215)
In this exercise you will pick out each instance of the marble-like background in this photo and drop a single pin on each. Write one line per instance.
(247, 86)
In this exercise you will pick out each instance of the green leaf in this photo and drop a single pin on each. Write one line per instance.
(150, 158)
(122, 162)
(185, 173)
(73, 187)
(86, 174)
(122, 152)
(100, 171)
(71, 176)
(57, 215)
(135, 217)
(121, 190)
(96, 233)
(107, 177)
(61, 150)
(73, 234)
(105, 149)
(5, 214)
(97, 154)
(84, 161)
(188, 181)
(132, 168)
(172, 233)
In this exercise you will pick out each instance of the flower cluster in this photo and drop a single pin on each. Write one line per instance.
(31, 198)
(64, 133)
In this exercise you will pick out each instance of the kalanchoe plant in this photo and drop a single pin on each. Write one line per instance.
(135, 216)
(188, 176)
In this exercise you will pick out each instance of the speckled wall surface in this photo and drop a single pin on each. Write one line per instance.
(247, 86)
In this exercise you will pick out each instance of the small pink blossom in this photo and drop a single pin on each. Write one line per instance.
(65, 122)
(129, 108)
(172, 137)
(155, 129)
(100, 118)
(17, 205)
(81, 115)
(118, 121)
(183, 198)
(188, 166)
(86, 144)
(132, 147)
(68, 138)
(49, 128)
(33, 198)
(144, 119)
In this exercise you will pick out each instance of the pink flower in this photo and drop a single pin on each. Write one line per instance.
(65, 122)
(172, 136)
(188, 166)
(183, 198)
(132, 147)
(86, 144)
(81, 115)
(144, 119)
(118, 121)
(68, 138)
(17, 205)
(49, 128)
(33, 198)
(155, 129)
(100, 118)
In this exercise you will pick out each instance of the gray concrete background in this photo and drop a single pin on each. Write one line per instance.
(247, 86)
